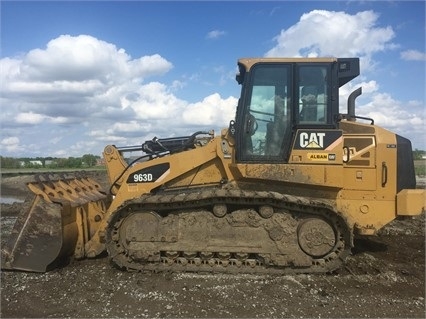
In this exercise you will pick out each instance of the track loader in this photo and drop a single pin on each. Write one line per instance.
(284, 189)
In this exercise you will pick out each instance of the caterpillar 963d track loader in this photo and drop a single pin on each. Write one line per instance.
(284, 189)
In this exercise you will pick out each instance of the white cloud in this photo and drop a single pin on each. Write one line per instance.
(90, 93)
(391, 113)
(80, 66)
(339, 34)
(10, 144)
(214, 34)
(10, 141)
(156, 102)
(29, 118)
(83, 58)
(34, 119)
(212, 110)
(368, 88)
(330, 33)
(413, 55)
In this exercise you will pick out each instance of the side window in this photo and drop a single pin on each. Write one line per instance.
(262, 112)
(313, 96)
(268, 122)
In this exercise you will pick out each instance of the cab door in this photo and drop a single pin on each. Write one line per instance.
(266, 130)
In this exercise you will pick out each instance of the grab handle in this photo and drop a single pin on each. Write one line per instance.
(384, 174)
(346, 151)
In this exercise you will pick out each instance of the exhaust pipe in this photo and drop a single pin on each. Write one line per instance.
(351, 103)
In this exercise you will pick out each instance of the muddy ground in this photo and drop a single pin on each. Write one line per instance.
(384, 278)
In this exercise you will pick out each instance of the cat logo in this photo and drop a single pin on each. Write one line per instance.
(318, 139)
(311, 140)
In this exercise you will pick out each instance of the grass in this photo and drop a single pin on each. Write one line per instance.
(46, 170)
(420, 167)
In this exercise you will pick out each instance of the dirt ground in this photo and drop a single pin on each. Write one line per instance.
(384, 278)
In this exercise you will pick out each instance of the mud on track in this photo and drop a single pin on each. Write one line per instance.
(385, 277)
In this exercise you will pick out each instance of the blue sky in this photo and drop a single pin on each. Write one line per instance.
(76, 76)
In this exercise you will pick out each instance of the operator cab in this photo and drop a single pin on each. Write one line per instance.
(280, 95)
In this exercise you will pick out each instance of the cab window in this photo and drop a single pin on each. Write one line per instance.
(313, 94)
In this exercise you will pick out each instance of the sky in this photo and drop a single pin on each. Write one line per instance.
(76, 76)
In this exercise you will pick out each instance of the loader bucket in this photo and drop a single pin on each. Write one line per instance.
(63, 216)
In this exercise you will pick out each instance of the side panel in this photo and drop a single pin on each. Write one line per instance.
(307, 175)
(377, 165)
(315, 166)
(359, 162)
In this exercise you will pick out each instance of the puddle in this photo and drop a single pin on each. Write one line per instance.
(10, 200)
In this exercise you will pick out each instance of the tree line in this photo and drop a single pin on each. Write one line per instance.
(418, 154)
(87, 160)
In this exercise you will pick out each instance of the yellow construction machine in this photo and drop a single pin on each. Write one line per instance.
(284, 189)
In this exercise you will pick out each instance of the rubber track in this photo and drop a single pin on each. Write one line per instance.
(239, 199)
